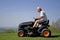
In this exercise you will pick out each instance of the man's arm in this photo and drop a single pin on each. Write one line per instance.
(40, 17)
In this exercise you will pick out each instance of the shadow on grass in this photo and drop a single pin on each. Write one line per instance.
(54, 36)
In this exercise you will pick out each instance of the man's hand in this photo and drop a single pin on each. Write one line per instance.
(36, 18)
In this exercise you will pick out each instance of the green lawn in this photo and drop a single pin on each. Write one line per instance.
(14, 36)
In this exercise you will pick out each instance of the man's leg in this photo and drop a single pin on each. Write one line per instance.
(36, 23)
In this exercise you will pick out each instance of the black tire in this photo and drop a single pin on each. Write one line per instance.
(21, 33)
(46, 33)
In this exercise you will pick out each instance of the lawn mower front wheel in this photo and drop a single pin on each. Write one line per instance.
(21, 33)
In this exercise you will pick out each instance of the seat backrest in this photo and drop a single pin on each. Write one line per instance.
(44, 22)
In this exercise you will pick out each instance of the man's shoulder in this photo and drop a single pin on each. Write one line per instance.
(43, 11)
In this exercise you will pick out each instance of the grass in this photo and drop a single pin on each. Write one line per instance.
(10, 35)
(14, 36)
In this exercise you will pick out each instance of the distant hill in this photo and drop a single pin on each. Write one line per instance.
(2, 29)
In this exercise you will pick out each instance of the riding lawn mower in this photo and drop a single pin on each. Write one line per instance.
(25, 29)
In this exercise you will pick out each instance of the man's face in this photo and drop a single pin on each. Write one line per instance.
(38, 10)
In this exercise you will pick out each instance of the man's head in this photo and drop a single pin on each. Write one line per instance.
(39, 9)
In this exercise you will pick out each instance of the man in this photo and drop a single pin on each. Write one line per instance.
(42, 17)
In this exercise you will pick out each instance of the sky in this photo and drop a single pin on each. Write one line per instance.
(14, 12)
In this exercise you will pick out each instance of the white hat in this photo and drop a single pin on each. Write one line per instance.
(38, 7)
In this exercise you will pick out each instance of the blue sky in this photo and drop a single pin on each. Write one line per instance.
(13, 12)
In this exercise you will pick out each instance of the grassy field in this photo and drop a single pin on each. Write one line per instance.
(14, 36)
(11, 35)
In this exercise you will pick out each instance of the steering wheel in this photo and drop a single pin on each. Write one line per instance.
(35, 19)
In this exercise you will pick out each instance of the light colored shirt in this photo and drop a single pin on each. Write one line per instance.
(42, 13)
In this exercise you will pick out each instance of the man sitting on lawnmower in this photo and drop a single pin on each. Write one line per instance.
(40, 18)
